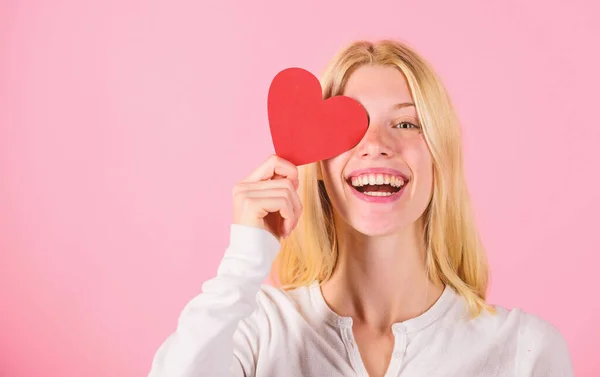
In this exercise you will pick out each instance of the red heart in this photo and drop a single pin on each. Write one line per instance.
(304, 128)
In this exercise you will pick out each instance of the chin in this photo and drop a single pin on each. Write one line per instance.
(377, 228)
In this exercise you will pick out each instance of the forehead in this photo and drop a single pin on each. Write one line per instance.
(378, 82)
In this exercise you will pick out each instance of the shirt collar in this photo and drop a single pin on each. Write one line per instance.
(448, 298)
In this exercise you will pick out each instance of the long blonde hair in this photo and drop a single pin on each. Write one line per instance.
(455, 254)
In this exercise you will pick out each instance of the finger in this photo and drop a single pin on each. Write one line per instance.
(282, 187)
(283, 183)
(274, 165)
(297, 207)
(291, 196)
(261, 206)
(296, 204)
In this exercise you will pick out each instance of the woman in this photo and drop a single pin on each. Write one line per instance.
(380, 267)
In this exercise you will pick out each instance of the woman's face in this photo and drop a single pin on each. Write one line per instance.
(385, 183)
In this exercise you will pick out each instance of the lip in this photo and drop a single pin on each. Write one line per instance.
(388, 171)
(378, 199)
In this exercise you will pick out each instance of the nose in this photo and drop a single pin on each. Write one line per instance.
(374, 143)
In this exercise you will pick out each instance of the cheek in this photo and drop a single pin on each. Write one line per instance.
(417, 153)
(421, 191)
(332, 168)
(419, 159)
(332, 175)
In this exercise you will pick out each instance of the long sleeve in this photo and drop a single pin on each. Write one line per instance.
(203, 343)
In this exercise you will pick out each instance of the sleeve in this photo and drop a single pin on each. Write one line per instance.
(203, 343)
(545, 351)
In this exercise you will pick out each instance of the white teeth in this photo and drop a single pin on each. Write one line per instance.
(377, 179)
(377, 193)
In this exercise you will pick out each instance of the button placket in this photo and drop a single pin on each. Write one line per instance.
(400, 343)
(348, 339)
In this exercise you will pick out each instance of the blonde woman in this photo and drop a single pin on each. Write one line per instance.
(377, 265)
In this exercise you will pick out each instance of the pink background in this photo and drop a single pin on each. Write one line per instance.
(125, 124)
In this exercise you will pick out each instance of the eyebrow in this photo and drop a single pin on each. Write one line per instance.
(401, 105)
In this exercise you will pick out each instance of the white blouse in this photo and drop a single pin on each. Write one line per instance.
(239, 326)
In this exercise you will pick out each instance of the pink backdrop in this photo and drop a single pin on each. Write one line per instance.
(125, 124)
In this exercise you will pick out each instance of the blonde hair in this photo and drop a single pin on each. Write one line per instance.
(455, 254)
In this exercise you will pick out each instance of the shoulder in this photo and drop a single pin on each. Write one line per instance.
(272, 298)
(275, 305)
(539, 348)
(542, 350)
(543, 338)
(528, 327)
(536, 329)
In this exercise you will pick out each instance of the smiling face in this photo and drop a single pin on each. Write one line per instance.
(385, 183)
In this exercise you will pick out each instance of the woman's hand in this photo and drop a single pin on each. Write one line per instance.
(268, 198)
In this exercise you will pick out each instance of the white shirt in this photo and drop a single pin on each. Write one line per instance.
(239, 326)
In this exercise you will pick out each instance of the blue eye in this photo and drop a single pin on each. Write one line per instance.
(409, 123)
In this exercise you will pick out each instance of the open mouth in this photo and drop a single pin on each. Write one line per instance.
(377, 185)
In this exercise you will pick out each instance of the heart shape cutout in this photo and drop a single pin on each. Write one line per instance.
(304, 127)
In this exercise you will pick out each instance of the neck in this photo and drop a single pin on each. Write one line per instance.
(381, 280)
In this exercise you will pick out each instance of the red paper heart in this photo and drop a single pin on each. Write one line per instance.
(304, 128)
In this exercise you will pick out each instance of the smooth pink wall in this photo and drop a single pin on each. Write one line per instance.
(125, 124)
